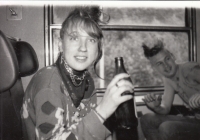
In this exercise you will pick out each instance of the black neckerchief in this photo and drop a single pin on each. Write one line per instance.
(78, 93)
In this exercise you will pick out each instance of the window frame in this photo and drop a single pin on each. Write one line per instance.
(190, 29)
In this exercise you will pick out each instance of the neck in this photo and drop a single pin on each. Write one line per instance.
(78, 73)
(73, 71)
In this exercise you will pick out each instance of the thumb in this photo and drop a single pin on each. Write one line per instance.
(144, 100)
(125, 98)
(159, 97)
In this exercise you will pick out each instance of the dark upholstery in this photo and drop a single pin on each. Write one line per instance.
(17, 59)
(8, 63)
(26, 57)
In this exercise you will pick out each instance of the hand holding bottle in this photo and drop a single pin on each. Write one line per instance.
(112, 97)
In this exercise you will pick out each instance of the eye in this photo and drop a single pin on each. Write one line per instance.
(167, 58)
(92, 40)
(158, 64)
(73, 38)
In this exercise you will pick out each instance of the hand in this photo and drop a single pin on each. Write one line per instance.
(152, 101)
(194, 101)
(112, 97)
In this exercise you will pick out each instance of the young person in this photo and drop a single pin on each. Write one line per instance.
(183, 79)
(59, 102)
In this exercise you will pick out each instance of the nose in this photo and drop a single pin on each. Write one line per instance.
(83, 45)
(166, 65)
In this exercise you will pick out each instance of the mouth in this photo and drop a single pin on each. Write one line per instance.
(81, 58)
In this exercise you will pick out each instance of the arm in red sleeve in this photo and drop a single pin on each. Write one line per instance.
(50, 123)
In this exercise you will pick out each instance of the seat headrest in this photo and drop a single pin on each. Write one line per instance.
(8, 63)
(17, 59)
(27, 58)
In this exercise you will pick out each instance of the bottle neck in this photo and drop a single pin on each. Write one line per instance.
(119, 65)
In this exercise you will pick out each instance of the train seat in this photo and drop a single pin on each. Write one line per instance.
(17, 59)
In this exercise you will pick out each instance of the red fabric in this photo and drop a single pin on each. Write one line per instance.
(47, 89)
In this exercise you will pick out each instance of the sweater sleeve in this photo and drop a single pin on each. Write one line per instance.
(195, 73)
(51, 124)
(192, 72)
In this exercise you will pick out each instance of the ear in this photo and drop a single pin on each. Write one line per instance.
(60, 46)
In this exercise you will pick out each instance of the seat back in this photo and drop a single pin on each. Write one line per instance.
(8, 63)
(17, 59)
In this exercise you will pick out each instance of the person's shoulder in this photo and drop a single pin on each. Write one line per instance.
(45, 77)
(46, 72)
(189, 65)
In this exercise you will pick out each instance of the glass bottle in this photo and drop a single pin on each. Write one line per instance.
(125, 114)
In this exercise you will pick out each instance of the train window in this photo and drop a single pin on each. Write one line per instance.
(128, 44)
(59, 13)
(146, 16)
(131, 16)
(124, 35)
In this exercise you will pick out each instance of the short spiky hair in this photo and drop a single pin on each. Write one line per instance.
(150, 52)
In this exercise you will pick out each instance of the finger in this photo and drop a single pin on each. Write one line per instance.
(112, 89)
(125, 98)
(159, 98)
(153, 96)
(144, 100)
(118, 94)
(124, 89)
(124, 82)
(149, 98)
(191, 103)
(198, 100)
(119, 89)
(117, 78)
(195, 102)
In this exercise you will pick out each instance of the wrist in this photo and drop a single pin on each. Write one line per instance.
(101, 112)
(102, 119)
(156, 108)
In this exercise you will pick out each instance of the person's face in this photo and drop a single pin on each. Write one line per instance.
(79, 49)
(164, 63)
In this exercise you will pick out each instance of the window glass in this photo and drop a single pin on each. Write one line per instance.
(60, 13)
(128, 44)
(131, 16)
(146, 16)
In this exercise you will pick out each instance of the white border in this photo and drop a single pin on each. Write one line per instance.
(170, 4)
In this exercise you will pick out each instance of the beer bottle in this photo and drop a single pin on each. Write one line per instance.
(125, 114)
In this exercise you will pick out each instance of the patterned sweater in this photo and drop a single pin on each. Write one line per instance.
(49, 113)
(187, 83)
